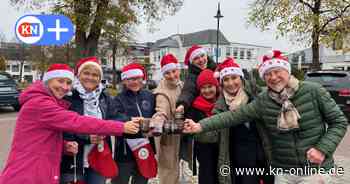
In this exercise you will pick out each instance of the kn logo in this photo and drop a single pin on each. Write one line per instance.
(44, 29)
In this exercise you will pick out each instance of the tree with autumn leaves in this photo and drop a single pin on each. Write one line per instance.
(309, 21)
(93, 18)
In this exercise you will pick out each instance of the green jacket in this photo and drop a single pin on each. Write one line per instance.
(223, 136)
(288, 149)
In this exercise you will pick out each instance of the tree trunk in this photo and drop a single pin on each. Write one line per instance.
(114, 70)
(315, 52)
(87, 43)
(315, 37)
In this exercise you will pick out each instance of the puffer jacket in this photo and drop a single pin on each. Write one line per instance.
(322, 125)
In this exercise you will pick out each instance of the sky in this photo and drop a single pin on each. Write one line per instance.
(195, 15)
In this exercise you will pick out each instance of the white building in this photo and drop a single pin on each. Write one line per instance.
(138, 51)
(246, 55)
(14, 54)
(29, 74)
(335, 57)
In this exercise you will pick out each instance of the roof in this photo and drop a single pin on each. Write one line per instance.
(252, 45)
(199, 38)
(203, 37)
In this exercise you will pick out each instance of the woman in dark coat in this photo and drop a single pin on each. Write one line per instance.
(240, 146)
(206, 149)
(88, 98)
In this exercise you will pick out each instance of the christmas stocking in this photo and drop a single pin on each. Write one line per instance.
(144, 156)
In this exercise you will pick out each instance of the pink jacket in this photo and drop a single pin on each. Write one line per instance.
(37, 144)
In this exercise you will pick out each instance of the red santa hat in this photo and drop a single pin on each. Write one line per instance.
(58, 71)
(273, 60)
(88, 61)
(228, 67)
(206, 77)
(133, 70)
(169, 62)
(193, 52)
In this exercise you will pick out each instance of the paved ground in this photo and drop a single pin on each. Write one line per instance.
(8, 119)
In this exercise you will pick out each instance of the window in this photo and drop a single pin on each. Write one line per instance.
(228, 51)
(241, 54)
(209, 50)
(15, 68)
(235, 53)
(28, 78)
(8, 67)
(27, 68)
(4, 77)
(219, 52)
(303, 58)
(295, 59)
(249, 54)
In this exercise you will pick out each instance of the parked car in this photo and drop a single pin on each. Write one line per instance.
(8, 91)
(338, 85)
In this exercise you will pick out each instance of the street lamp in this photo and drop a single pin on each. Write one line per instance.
(218, 16)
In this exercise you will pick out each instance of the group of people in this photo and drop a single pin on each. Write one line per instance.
(69, 130)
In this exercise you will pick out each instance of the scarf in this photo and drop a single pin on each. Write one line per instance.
(234, 102)
(91, 108)
(289, 115)
(203, 105)
(90, 99)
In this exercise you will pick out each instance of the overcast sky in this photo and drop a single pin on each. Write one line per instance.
(195, 15)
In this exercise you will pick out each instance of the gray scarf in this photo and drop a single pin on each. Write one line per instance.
(289, 115)
(90, 99)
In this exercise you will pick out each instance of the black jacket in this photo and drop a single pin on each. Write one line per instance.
(77, 105)
(189, 91)
(127, 104)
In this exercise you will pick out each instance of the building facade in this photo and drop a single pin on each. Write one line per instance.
(247, 55)
(336, 56)
(16, 55)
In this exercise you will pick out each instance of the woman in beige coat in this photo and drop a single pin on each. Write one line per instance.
(168, 146)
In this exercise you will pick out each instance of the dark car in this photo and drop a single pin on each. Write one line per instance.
(338, 85)
(8, 91)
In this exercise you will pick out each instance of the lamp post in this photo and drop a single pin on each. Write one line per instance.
(217, 16)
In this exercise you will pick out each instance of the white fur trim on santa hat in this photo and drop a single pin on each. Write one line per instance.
(231, 71)
(170, 66)
(91, 63)
(132, 73)
(58, 74)
(196, 53)
(273, 63)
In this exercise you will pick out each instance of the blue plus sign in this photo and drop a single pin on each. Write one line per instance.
(57, 29)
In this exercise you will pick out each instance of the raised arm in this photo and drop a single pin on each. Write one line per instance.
(228, 119)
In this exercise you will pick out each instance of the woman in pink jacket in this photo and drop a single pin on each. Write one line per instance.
(37, 144)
